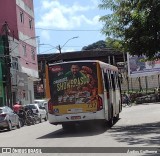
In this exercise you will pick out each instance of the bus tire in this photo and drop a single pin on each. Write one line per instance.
(116, 118)
(111, 120)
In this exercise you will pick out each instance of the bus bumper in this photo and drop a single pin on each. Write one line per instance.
(55, 119)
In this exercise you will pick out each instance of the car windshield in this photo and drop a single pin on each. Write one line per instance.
(36, 101)
(32, 106)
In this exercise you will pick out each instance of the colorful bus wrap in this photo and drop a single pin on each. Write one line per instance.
(74, 88)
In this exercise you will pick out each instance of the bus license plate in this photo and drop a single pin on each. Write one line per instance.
(75, 117)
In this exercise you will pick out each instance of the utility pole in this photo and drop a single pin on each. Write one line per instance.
(7, 65)
(59, 48)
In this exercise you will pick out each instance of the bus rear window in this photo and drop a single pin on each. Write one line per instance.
(72, 83)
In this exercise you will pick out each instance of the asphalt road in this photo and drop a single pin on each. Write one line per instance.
(138, 126)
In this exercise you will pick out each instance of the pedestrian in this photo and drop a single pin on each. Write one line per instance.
(126, 98)
(17, 106)
(157, 93)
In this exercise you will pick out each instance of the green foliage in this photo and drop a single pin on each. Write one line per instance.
(135, 23)
(97, 45)
(115, 44)
(103, 45)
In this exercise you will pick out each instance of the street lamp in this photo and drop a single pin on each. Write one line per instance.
(59, 47)
(66, 43)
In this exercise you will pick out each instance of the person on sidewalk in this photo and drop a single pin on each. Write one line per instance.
(126, 98)
(17, 106)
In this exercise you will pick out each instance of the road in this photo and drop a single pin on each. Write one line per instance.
(138, 126)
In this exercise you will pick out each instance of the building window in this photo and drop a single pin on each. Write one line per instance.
(30, 23)
(24, 50)
(33, 53)
(14, 63)
(22, 17)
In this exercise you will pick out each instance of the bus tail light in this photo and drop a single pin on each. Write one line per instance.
(100, 104)
(50, 107)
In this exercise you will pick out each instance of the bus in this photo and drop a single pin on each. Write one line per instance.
(80, 91)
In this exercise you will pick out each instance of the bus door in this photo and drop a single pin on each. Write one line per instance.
(107, 102)
(113, 92)
(118, 93)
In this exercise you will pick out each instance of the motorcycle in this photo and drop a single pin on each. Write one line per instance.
(26, 118)
(126, 101)
(30, 119)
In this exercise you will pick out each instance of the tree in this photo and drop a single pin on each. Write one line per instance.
(134, 24)
(97, 45)
(103, 45)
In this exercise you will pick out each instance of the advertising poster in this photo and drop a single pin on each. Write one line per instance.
(137, 67)
(73, 83)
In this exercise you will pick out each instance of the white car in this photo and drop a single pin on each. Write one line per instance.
(42, 103)
(39, 110)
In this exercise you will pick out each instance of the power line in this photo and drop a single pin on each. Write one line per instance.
(49, 29)
(52, 29)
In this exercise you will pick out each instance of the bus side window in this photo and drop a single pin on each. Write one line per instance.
(113, 82)
(106, 81)
(109, 79)
(117, 84)
(119, 81)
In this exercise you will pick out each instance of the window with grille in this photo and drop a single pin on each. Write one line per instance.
(24, 50)
(30, 23)
(22, 17)
(33, 53)
(14, 63)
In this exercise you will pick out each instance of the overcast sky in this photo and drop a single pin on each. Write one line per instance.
(57, 21)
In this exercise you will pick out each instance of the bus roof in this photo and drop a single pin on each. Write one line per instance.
(102, 64)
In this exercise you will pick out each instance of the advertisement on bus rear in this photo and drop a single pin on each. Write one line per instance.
(74, 84)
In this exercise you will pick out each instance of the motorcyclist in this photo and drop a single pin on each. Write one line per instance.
(29, 111)
(22, 116)
(29, 116)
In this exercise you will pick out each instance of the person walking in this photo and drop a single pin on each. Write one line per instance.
(17, 106)
(126, 99)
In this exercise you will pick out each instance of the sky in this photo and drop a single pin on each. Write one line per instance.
(72, 24)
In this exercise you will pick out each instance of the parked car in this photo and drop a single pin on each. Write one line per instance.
(39, 110)
(42, 103)
(8, 118)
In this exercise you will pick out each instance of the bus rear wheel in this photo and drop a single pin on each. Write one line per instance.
(111, 120)
(116, 118)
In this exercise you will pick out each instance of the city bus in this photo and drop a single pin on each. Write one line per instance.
(80, 91)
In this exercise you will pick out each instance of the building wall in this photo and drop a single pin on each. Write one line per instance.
(21, 34)
(152, 82)
(8, 13)
(30, 92)
(25, 33)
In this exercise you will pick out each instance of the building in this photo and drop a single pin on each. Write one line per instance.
(20, 59)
